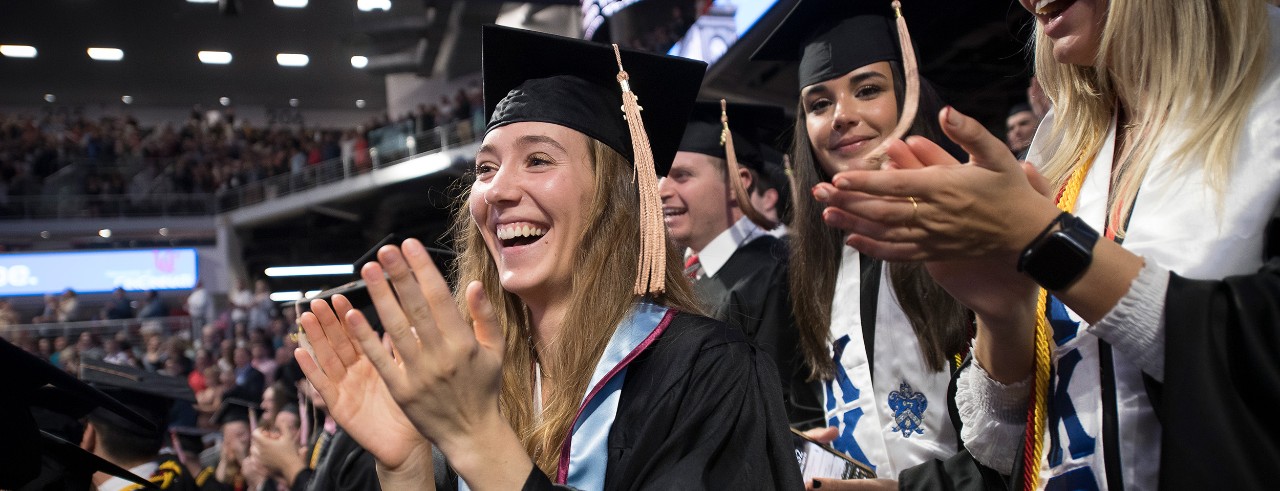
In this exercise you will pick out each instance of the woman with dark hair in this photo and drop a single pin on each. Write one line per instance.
(573, 352)
(881, 338)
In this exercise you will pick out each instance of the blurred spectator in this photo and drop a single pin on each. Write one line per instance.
(154, 355)
(119, 306)
(8, 319)
(241, 300)
(264, 360)
(263, 308)
(1020, 127)
(252, 380)
(68, 306)
(115, 352)
(153, 306)
(88, 347)
(200, 306)
(50, 313)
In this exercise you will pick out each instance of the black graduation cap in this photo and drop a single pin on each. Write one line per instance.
(833, 37)
(237, 404)
(529, 76)
(34, 458)
(148, 393)
(754, 126)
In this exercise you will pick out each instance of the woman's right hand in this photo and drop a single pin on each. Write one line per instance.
(356, 395)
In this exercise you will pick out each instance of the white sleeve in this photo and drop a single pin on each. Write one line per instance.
(994, 416)
(1135, 325)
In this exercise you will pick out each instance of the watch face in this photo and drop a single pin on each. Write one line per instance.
(1058, 261)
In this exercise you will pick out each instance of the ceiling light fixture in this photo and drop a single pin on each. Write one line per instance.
(214, 57)
(293, 103)
(359, 61)
(291, 4)
(324, 269)
(17, 51)
(50, 98)
(128, 99)
(225, 101)
(360, 103)
(106, 54)
(292, 59)
(371, 5)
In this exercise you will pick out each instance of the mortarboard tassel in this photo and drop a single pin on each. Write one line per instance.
(735, 183)
(791, 180)
(911, 101)
(652, 270)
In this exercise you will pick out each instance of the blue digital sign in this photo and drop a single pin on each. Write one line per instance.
(97, 271)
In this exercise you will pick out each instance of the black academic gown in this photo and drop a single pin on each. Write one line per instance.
(1221, 383)
(344, 466)
(171, 476)
(700, 409)
(750, 292)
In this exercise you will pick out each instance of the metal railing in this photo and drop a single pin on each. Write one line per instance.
(390, 149)
(63, 197)
(62, 206)
(165, 326)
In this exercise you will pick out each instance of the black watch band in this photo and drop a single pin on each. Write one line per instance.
(1057, 258)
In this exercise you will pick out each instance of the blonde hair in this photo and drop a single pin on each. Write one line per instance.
(1188, 68)
(601, 294)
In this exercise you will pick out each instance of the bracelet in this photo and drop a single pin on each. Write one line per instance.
(1022, 258)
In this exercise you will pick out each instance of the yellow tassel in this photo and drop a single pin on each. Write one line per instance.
(652, 269)
(910, 101)
(735, 182)
(1040, 392)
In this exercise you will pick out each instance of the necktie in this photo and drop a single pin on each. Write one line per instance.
(692, 267)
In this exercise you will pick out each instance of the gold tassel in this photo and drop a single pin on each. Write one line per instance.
(652, 270)
(735, 182)
(911, 101)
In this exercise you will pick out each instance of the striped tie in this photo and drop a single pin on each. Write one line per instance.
(692, 267)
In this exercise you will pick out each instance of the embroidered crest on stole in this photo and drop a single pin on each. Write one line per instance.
(908, 410)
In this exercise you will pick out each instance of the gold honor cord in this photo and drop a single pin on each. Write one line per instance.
(910, 101)
(652, 270)
(735, 182)
(1036, 412)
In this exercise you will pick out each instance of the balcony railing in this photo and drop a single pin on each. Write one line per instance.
(389, 146)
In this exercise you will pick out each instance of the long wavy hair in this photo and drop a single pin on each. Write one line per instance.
(939, 321)
(601, 294)
(1184, 71)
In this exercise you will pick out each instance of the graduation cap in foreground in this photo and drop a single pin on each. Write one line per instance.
(534, 77)
(34, 459)
(737, 133)
(148, 393)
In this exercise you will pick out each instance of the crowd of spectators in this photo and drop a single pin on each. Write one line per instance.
(212, 151)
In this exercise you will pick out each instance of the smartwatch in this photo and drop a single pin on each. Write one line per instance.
(1057, 259)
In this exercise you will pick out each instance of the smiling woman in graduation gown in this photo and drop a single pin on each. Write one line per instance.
(578, 356)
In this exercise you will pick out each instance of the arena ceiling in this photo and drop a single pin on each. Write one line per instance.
(160, 40)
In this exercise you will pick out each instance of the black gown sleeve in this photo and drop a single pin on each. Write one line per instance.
(345, 467)
(702, 411)
(1222, 382)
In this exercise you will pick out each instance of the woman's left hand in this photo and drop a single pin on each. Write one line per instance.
(448, 383)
